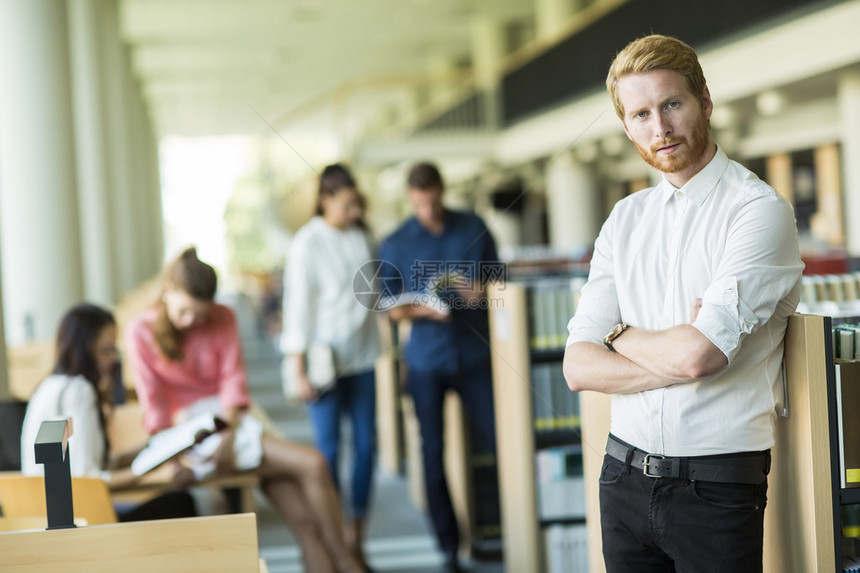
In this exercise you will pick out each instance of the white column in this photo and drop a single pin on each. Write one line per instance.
(572, 204)
(551, 17)
(849, 113)
(138, 167)
(92, 157)
(41, 262)
(118, 109)
(488, 53)
(156, 229)
(4, 366)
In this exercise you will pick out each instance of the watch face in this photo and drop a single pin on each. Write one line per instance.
(615, 332)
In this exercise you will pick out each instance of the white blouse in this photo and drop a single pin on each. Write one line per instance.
(320, 305)
(60, 397)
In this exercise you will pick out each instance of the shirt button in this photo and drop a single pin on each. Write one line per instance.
(671, 272)
(655, 411)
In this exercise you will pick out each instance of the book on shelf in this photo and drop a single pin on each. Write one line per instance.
(848, 406)
(539, 318)
(560, 484)
(175, 440)
(555, 406)
(550, 307)
(850, 565)
(566, 548)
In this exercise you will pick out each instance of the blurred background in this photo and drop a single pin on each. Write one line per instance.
(130, 129)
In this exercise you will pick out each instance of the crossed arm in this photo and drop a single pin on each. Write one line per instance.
(644, 360)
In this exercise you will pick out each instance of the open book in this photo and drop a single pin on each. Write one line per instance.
(172, 441)
(426, 299)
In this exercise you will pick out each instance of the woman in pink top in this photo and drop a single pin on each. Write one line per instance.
(186, 359)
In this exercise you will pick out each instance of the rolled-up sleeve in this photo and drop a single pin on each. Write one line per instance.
(759, 268)
(598, 309)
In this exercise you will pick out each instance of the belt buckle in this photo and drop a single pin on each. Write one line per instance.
(646, 460)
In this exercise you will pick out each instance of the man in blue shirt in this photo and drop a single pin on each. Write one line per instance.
(448, 256)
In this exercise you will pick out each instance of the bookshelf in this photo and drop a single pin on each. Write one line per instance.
(823, 367)
(843, 383)
(538, 423)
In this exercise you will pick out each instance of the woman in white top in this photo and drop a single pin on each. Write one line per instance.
(80, 388)
(321, 308)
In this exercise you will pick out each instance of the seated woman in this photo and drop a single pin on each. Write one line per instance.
(187, 360)
(81, 388)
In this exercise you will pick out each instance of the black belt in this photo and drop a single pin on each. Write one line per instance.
(746, 468)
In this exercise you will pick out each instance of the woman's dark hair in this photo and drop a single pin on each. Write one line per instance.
(424, 176)
(76, 338)
(192, 276)
(333, 178)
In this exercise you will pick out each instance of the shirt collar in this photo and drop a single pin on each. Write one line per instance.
(702, 183)
(418, 229)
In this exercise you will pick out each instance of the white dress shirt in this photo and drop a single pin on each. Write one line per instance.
(729, 239)
(60, 397)
(320, 305)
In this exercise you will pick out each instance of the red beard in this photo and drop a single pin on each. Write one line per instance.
(689, 153)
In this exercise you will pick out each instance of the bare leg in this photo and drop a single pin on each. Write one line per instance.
(309, 469)
(288, 499)
(354, 534)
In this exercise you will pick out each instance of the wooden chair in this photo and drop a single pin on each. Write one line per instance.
(24, 496)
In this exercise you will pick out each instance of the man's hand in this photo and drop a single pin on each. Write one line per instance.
(422, 312)
(417, 312)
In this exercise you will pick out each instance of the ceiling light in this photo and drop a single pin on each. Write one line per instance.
(586, 153)
(770, 102)
(723, 116)
(613, 145)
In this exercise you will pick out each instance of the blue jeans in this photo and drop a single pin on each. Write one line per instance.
(354, 396)
(475, 387)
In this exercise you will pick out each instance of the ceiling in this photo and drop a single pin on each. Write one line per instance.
(234, 66)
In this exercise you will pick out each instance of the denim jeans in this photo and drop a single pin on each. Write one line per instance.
(353, 396)
(475, 387)
(667, 525)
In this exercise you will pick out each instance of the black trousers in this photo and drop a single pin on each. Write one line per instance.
(167, 506)
(475, 387)
(670, 525)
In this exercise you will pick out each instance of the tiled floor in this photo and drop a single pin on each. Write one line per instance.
(398, 537)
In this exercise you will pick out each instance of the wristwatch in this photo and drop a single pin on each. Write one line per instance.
(613, 334)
